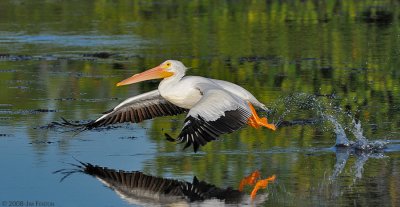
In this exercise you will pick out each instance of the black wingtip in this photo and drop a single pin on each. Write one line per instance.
(80, 126)
(195, 180)
(195, 146)
(169, 138)
(187, 145)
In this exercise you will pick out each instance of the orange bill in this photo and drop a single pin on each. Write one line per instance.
(154, 73)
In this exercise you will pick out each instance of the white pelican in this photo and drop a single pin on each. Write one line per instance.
(215, 106)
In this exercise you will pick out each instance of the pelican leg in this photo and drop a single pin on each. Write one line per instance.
(256, 122)
(249, 180)
(261, 184)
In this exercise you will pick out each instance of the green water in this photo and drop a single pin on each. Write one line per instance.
(348, 50)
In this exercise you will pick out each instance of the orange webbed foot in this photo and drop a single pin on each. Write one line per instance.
(261, 184)
(264, 122)
(253, 123)
(249, 180)
(257, 122)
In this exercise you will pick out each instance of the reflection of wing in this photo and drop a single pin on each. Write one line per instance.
(138, 108)
(200, 190)
(218, 112)
(139, 188)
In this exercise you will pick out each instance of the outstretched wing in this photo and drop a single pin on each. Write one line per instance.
(218, 112)
(138, 108)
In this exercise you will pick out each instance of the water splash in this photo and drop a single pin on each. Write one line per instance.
(341, 137)
(332, 117)
(296, 104)
(362, 143)
(359, 134)
(362, 148)
(342, 155)
(324, 111)
(359, 165)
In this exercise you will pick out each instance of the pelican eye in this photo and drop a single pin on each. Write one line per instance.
(168, 64)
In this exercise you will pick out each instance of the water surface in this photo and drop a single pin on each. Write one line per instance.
(62, 59)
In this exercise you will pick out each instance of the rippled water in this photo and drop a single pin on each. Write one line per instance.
(306, 61)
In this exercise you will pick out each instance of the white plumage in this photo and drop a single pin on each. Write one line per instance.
(215, 106)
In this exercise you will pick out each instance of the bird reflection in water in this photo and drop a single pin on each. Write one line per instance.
(258, 184)
(138, 188)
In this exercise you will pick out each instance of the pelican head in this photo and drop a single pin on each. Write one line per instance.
(169, 68)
